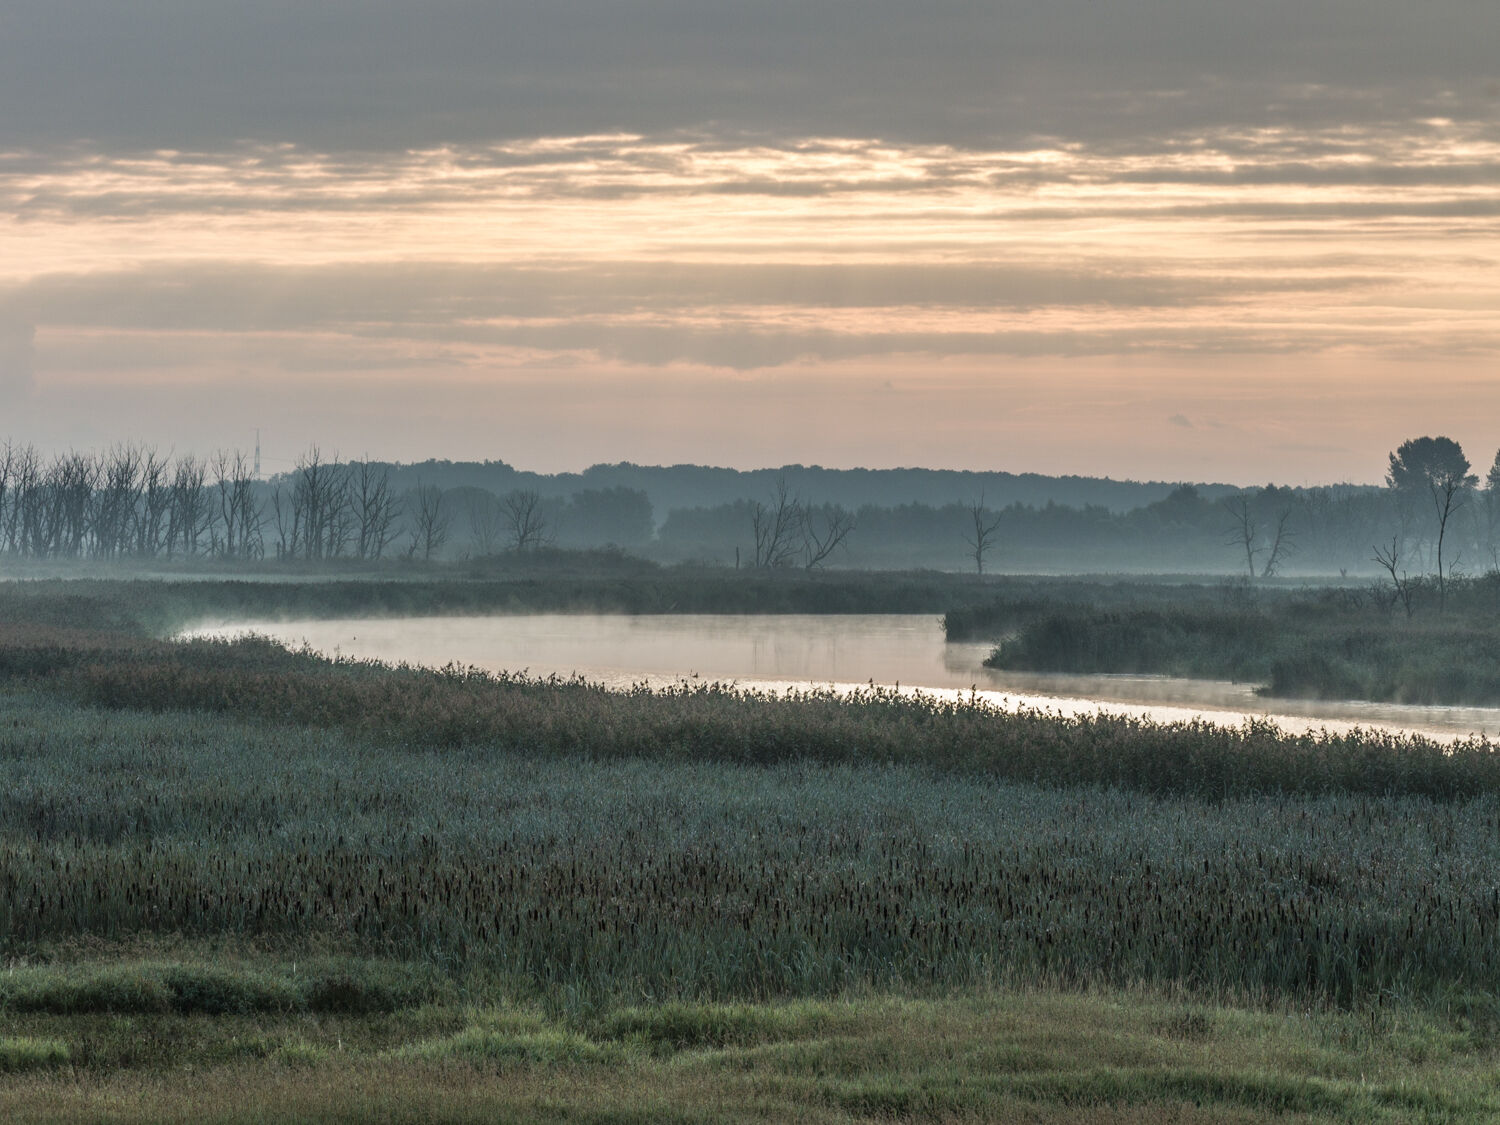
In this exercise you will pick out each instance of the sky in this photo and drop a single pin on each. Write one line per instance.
(1164, 239)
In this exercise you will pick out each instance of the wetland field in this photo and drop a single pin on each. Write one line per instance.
(240, 882)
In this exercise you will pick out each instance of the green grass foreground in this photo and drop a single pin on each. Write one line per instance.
(238, 883)
(1030, 1056)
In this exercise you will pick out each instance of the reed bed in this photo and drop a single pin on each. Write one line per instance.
(583, 881)
(465, 707)
(1337, 644)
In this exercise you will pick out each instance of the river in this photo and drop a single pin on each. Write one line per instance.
(777, 652)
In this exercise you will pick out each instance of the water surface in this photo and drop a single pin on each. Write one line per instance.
(777, 652)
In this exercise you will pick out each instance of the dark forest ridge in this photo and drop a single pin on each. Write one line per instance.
(703, 486)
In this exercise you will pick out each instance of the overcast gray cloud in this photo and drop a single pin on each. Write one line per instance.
(384, 74)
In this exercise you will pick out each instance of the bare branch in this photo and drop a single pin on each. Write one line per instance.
(526, 518)
(985, 528)
(823, 532)
(1283, 543)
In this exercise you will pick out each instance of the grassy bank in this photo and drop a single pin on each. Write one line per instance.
(575, 582)
(153, 607)
(1331, 644)
(1035, 1056)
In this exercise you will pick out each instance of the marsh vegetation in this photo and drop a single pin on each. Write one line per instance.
(1437, 645)
(294, 871)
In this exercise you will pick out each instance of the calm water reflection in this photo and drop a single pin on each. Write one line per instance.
(797, 650)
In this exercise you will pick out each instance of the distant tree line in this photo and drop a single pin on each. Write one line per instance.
(703, 486)
(1434, 518)
(128, 501)
(132, 502)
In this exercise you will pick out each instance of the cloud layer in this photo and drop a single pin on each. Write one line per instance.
(656, 252)
(979, 203)
(389, 74)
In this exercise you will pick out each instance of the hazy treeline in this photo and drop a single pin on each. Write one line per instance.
(1433, 516)
(671, 487)
(133, 502)
(1321, 530)
(800, 516)
(127, 502)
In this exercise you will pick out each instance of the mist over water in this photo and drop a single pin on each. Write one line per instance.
(800, 651)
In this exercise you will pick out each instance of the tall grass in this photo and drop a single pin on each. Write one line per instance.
(465, 707)
(584, 880)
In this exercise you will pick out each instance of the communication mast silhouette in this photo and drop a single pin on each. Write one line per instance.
(257, 453)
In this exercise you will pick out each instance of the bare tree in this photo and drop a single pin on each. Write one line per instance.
(1283, 543)
(155, 501)
(8, 460)
(1402, 587)
(376, 509)
(71, 481)
(189, 514)
(429, 520)
(775, 527)
(525, 519)
(983, 533)
(311, 500)
(342, 528)
(241, 515)
(225, 500)
(286, 517)
(322, 509)
(1245, 530)
(24, 531)
(823, 532)
(115, 500)
(487, 522)
(250, 510)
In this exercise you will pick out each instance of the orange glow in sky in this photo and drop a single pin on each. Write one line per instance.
(1247, 305)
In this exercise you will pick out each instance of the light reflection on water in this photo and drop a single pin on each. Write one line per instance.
(798, 651)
